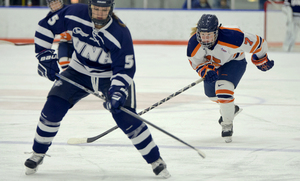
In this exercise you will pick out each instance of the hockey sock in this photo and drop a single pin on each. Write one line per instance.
(139, 134)
(54, 110)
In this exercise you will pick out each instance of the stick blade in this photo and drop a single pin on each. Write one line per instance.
(76, 141)
(6, 42)
(202, 154)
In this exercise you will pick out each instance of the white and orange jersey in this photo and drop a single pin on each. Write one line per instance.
(230, 45)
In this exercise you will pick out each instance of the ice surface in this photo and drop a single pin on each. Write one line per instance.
(266, 139)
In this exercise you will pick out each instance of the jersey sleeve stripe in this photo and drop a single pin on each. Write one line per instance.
(258, 50)
(116, 82)
(195, 50)
(122, 78)
(42, 43)
(45, 32)
(260, 42)
(112, 38)
(234, 56)
(256, 44)
(82, 21)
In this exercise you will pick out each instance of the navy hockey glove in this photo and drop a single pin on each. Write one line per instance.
(48, 64)
(263, 63)
(116, 101)
(208, 73)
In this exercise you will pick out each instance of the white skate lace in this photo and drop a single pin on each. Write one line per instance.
(36, 156)
(156, 163)
(226, 127)
(164, 173)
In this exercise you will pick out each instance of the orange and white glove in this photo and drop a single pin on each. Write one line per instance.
(263, 63)
(65, 36)
(208, 72)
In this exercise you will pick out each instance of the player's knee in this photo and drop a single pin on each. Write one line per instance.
(55, 109)
(126, 122)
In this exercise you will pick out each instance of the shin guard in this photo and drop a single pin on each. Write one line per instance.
(225, 92)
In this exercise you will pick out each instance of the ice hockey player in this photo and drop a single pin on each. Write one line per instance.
(103, 61)
(65, 46)
(292, 10)
(217, 54)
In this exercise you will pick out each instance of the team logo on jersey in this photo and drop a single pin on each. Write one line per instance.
(90, 52)
(96, 38)
(223, 50)
(78, 30)
(58, 83)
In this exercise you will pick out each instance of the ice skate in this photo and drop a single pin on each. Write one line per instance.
(32, 163)
(160, 168)
(227, 131)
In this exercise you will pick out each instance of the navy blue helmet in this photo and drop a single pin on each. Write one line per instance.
(207, 23)
(101, 3)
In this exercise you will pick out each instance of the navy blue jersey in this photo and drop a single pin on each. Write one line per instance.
(295, 5)
(106, 52)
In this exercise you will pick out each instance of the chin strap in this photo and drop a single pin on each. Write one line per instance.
(101, 22)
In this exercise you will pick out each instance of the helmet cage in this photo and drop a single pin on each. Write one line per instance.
(101, 3)
(207, 23)
(52, 10)
(207, 44)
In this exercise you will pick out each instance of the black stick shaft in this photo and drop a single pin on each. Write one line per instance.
(92, 139)
(132, 114)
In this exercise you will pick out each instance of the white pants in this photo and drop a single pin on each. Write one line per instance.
(292, 29)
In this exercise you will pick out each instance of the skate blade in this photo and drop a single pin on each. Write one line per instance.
(30, 171)
(164, 173)
(228, 139)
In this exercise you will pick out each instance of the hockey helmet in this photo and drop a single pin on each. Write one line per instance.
(101, 3)
(207, 23)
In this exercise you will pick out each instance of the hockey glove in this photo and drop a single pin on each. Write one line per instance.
(208, 73)
(65, 36)
(48, 64)
(116, 101)
(263, 63)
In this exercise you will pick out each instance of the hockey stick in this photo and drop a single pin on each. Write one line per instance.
(16, 44)
(130, 113)
(74, 141)
(23, 44)
(20, 44)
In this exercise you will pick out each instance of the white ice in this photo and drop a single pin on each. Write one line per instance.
(266, 140)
